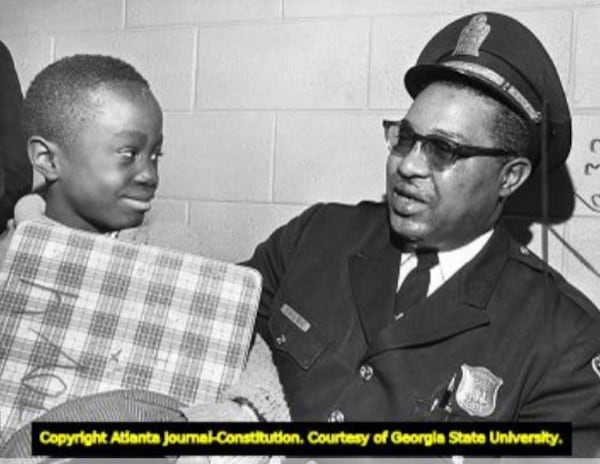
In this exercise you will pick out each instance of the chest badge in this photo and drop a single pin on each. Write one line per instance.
(478, 390)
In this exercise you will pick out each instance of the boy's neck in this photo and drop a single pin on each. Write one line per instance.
(59, 212)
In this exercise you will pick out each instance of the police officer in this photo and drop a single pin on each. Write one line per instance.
(424, 307)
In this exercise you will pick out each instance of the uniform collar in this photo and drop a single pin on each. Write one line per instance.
(450, 262)
(480, 276)
(477, 264)
(458, 303)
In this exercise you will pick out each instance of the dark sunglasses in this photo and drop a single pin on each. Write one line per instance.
(441, 153)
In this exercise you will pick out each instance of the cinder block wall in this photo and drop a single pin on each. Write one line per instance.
(271, 105)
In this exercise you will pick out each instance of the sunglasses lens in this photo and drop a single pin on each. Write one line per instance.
(405, 140)
(440, 153)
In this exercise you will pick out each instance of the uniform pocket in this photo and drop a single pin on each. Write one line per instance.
(295, 335)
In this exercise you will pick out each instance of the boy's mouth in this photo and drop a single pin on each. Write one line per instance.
(139, 204)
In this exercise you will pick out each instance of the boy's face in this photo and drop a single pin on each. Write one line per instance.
(108, 174)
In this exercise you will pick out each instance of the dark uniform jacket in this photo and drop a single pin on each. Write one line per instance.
(520, 342)
(15, 168)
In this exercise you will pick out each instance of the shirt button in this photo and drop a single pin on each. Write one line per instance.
(336, 416)
(524, 250)
(280, 340)
(366, 372)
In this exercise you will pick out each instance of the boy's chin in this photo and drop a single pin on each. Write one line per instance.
(132, 220)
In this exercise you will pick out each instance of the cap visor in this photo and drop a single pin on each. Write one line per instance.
(420, 76)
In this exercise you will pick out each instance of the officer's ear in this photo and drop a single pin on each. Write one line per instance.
(44, 155)
(513, 174)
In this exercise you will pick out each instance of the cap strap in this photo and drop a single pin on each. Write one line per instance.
(497, 79)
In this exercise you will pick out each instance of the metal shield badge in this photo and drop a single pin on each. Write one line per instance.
(478, 390)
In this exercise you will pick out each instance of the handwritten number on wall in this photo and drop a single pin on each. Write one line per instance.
(590, 169)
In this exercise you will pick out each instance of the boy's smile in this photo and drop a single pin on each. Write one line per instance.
(108, 173)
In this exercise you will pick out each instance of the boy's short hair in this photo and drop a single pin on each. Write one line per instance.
(57, 101)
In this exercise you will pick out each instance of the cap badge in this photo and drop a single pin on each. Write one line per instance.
(472, 36)
(478, 390)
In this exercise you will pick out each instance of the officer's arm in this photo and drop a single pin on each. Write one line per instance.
(570, 392)
(273, 257)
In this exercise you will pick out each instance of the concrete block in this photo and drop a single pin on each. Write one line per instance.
(582, 268)
(31, 53)
(494, 5)
(18, 16)
(311, 8)
(584, 165)
(329, 158)
(307, 8)
(587, 65)
(231, 231)
(165, 57)
(291, 65)
(396, 44)
(218, 156)
(166, 210)
(155, 12)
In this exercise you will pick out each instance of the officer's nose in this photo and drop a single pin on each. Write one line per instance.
(414, 163)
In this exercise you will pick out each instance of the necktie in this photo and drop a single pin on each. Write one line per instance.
(415, 285)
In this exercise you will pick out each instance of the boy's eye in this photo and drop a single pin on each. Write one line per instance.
(128, 153)
(157, 154)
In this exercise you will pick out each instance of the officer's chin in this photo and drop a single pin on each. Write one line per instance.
(409, 230)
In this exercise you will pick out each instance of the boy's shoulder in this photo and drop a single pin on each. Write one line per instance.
(5, 238)
(28, 207)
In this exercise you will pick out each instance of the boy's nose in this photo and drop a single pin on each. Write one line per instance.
(148, 172)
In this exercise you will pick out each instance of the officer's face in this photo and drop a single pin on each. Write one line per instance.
(445, 208)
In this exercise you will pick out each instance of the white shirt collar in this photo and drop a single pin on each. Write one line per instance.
(450, 262)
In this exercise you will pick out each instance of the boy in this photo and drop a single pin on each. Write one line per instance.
(94, 132)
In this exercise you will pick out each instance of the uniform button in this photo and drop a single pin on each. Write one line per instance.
(280, 340)
(524, 250)
(336, 416)
(366, 372)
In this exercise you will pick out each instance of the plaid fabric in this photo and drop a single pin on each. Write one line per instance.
(113, 406)
(82, 313)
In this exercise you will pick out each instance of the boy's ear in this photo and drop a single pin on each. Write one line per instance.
(514, 174)
(43, 157)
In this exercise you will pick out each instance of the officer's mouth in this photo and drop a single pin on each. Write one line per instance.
(406, 202)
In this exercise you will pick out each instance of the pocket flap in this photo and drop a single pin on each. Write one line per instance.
(295, 335)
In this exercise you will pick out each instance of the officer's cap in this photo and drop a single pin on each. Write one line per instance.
(502, 57)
